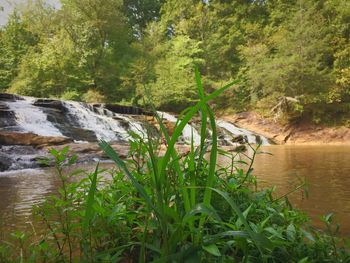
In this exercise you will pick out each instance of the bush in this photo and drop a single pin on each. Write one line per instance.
(93, 96)
(71, 95)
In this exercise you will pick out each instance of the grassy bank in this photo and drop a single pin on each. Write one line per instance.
(170, 208)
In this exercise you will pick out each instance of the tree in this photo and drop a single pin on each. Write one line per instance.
(142, 12)
(15, 41)
(174, 87)
(293, 61)
(101, 39)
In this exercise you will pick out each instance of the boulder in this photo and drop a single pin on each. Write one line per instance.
(17, 138)
(9, 97)
(126, 109)
(238, 139)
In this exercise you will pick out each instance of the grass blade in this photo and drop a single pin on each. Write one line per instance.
(114, 156)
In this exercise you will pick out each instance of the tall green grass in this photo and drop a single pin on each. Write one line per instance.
(175, 179)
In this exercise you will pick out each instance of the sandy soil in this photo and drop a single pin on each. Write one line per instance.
(290, 134)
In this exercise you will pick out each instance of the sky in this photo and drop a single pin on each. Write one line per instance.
(9, 5)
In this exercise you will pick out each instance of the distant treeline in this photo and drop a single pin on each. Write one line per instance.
(292, 56)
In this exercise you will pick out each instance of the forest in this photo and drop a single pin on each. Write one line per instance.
(292, 57)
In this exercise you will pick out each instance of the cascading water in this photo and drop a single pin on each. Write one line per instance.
(188, 133)
(106, 124)
(248, 135)
(85, 122)
(103, 122)
(134, 126)
(30, 118)
(228, 127)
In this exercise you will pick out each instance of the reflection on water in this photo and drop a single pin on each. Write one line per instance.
(19, 191)
(325, 168)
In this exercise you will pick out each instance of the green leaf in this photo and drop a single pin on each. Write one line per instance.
(291, 232)
(202, 209)
(304, 260)
(308, 235)
(212, 249)
(274, 232)
(259, 240)
(245, 214)
(90, 200)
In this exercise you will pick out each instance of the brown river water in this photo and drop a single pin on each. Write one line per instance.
(326, 169)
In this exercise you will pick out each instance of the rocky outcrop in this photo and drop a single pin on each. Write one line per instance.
(49, 103)
(9, 97)
(17, 138)
(7, 117)
(122, 109)
(57, 114)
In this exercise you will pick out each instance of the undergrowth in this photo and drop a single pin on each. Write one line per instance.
(166, 206)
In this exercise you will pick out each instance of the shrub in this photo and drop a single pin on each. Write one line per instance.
(71, 95)
(93, 96)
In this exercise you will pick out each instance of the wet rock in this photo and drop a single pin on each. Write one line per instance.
(238, 139)
(5, 162)
(126, 109)
(6, 113)
(7, 117)
(17, 138)
(240, 148)
(49, 103)
(56, 113)
(9, 97)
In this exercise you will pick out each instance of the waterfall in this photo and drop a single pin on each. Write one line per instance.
(134, 126)
(229, 128)
(85, 122)
(188, 132)
(82, 123)
(107, 125)
(248, 135)
(31, 118)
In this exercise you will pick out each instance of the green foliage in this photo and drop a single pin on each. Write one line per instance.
(93, 96)
(15, 41)
(71, 95)
(130, 50)
(172, 90)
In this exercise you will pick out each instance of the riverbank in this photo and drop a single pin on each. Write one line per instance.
(297, 134)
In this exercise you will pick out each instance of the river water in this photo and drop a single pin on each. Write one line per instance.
(326, 169)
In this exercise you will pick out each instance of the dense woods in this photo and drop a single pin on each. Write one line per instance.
(291, 56)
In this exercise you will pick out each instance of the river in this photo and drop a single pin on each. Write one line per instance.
(326, 169)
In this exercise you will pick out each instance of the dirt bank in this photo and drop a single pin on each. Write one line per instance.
(302, 133)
